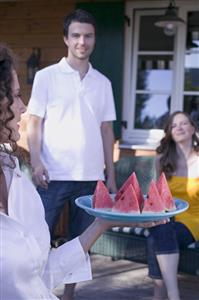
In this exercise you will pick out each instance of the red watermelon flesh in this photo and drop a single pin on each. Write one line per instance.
(165, 194)
(132, 179)
(128, 202)
(138, 191)
(153, 203)
(124, 187)
(101, 197)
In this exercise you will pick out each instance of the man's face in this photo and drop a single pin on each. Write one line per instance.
(80, 40)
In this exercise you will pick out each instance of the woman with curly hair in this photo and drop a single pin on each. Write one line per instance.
(30, 269)
(178, 158)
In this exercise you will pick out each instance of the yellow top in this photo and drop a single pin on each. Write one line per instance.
(187, 189)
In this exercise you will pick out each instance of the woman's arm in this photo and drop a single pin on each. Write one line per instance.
(70, 262)
(93, 232)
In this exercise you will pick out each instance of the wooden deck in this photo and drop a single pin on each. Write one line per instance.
(126, 280)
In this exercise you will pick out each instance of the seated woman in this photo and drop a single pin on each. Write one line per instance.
(29, 268)
(178, 158)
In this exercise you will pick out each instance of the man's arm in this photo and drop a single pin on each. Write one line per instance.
(157, 165)
(108, 143)
(34, 134)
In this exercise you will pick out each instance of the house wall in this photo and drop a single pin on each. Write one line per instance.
(28, 24)
(38, 23)
(25, 25)
(108, 55)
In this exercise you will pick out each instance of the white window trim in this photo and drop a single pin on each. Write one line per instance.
(151, 137)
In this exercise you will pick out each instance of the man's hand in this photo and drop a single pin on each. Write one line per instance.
(111, 185)
(40, 175)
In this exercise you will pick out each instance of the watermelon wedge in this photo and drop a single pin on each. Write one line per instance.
(128, 202)
(124, 187)
(153, 203)
(165, 194)
(101, 197)
(132, 179)
(138, 191)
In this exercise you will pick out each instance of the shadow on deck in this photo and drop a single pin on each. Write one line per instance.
(126, 280)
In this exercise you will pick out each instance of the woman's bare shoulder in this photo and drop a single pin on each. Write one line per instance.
(193, 166)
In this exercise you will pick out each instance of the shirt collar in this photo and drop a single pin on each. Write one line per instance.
(17, 169)
(12, 163)
(66, 68)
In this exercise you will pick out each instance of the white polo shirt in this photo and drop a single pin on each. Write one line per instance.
(73, 110)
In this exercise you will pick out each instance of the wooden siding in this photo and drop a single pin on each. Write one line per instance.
(28, 24)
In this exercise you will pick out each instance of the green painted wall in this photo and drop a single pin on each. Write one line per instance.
(108, 54)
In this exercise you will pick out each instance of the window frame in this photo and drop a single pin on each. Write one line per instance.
(151, 137)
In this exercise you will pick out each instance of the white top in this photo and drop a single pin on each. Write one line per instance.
(29, 269)
(73, 110)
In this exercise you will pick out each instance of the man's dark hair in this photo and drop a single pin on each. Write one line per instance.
(80, 16)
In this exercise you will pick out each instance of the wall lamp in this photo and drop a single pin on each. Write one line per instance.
(170, 20)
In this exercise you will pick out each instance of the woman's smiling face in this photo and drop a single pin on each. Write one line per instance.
(181, 128)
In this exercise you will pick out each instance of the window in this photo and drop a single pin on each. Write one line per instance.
(191, 67)
(154, 73)
(161, 72)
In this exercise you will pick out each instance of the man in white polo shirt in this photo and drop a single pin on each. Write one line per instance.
(70, 131)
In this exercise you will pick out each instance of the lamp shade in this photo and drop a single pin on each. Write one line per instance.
(170, 17)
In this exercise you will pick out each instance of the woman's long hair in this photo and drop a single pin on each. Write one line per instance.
(7, 65)
(167, 147)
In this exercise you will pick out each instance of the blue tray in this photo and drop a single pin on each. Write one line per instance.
(85, 202)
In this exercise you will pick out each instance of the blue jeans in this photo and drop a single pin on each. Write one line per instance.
(166, 239)
(55, 197)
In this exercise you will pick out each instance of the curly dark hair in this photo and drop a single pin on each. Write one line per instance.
(7, 64)
(167, 147)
